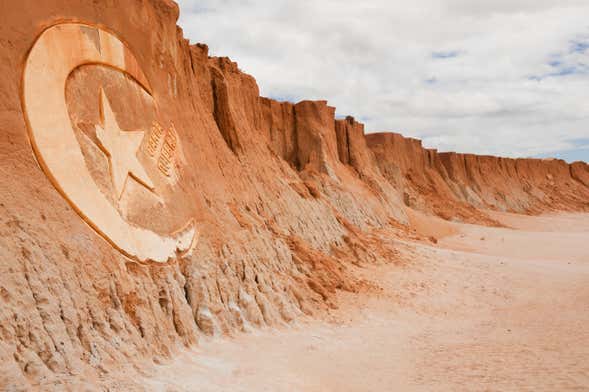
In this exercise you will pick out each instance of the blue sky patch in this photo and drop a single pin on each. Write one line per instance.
(580, 152)
(577, 154)
(446, 55)
(579, 46)
(561, 69)
(565, 71)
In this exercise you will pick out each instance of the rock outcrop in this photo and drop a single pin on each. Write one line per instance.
(284, 198)
(458, 186)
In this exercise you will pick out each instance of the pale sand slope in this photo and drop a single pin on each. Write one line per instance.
(509, 312)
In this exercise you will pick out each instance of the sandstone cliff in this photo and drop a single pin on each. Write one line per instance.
(284, 198)
(454, 185)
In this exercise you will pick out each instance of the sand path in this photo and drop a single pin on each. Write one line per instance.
(485, 310)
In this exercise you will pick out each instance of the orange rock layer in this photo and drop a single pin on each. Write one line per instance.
(285, 197)
(451, 184)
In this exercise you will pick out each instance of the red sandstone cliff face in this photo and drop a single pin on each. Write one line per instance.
(580, 172)
(284, 197)
(455, 185)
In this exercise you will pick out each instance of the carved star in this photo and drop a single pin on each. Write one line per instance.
(121, 148)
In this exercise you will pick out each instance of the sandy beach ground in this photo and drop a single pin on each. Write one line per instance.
(486, 309)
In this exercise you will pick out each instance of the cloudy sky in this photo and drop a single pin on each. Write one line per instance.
(502, 77)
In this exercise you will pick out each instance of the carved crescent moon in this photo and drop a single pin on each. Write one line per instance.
(56, 53)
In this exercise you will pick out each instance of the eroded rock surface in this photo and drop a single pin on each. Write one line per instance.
(456, 186)
(283, 197)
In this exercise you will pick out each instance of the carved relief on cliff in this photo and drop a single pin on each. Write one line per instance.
(97, 133)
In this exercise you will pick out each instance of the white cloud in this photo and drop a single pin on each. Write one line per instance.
(507, 77)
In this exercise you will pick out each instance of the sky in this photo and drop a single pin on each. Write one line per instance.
(501, 77)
